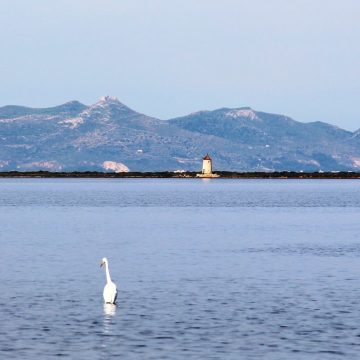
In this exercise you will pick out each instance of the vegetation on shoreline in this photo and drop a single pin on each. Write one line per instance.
(189, 174)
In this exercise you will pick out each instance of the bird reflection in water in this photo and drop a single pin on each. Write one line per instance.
(109, 313)
(109, 309)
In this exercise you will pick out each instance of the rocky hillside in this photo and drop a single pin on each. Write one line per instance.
(110, 136)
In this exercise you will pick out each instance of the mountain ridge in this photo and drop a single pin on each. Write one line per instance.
(109, 135)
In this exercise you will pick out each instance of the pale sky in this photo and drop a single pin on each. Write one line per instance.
(168, 58)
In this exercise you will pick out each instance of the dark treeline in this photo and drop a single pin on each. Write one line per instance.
(170, 174)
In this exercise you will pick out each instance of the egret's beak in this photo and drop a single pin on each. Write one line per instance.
(101, 264)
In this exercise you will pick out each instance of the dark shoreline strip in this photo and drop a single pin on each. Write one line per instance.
(186, 175)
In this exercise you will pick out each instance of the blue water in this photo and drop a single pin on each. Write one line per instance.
(220, 269)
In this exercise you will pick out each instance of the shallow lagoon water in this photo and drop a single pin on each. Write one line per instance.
(220, 269)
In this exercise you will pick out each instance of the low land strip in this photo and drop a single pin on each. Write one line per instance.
(183, 175)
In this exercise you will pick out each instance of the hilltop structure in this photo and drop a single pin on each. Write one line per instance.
(207, 168)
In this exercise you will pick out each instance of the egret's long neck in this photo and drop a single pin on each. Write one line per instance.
(108, 278)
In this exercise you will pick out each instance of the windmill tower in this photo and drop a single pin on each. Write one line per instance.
(207, 165)
(206, 171)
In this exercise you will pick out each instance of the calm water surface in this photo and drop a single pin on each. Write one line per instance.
(254, 269)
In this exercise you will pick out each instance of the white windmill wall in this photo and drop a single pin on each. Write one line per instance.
(207, 168)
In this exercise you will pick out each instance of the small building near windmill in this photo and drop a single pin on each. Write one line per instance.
(207, 168)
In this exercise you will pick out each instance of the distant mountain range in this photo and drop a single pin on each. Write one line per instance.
(109, 136)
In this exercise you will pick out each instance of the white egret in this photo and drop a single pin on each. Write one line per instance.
(110, 291)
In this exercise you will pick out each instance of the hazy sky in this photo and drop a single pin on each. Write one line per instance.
(167, 58)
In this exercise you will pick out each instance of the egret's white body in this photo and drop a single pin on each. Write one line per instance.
(110, 291)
